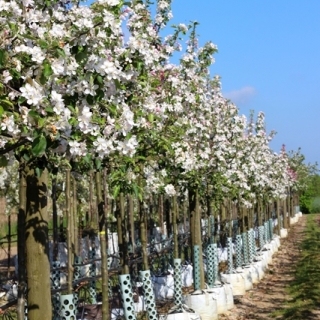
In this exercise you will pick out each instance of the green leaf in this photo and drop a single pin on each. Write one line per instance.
(87, 158)
(3, 55)
(97, 163)
(21, 100)
(90, 100)
(33, 114)
(38, 172)
(3, 161)
(47, 70)
(116, 191)
(81, 56)
(99, 79)
(1, 111)
(43, 44)
(39, 145)
(61, 52)
(49, 110)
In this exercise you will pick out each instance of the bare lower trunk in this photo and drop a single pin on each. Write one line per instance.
(37, 246)
(22, 246)
(102, 211)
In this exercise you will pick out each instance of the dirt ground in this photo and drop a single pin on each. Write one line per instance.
(270, 294)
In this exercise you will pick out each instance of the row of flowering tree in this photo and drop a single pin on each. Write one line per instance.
(87, 88)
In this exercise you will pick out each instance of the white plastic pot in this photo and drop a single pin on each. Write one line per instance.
(183, 313)
(219, 294)
(204, 304)
(283, 233)
(260, 267)
(248, 284)
(229, 296)
(237, 282)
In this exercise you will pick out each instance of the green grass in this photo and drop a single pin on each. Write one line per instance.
(304, 290)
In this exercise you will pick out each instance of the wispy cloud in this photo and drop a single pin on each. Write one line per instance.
(241, 96)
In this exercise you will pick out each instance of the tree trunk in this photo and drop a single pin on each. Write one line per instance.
(55, 219)
(22, 246)
(75, 217)
(196, 229)
(69, 231)
(175, 228)
(37, 246)
(131, 222)
(124, 227)
(102, 211)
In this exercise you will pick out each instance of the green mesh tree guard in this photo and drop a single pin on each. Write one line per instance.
(26, 309)
(77, 276)
(270, 229)
(261, 236)
(250, 245)
(216, 262)
(148, 294)
(211, 265)
(229, 253)
(127, 297)
(92, 273)
(212, 230)
(196, 268)
(67, 307)
(55, 284)
(245, 248)
(238, 251)
(266, 232)
(177, 283)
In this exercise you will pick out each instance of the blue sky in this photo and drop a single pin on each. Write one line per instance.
(269, 60)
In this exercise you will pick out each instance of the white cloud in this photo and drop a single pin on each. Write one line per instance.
(241, 96)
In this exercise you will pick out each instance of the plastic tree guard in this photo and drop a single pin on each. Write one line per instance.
(266, 232)
(149, 294)
(229, 252)
(210, 265)
(238, 251)
(55, 284)
(92, 273)
(67, 310)
(177, 283)
(270, 229)
(250, 245)
(245, 248)
(261, 236)
(196, 268)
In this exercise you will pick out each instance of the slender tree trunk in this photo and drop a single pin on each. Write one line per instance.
(124, 248)
(278, 217)
(37, 246)
(285, 219)
(69, 231)
(175, 228)
(160, 206)
(143, 236)
(22, 280)
(196, 230)
(55, 219)
(131, 222)
(75, 217)
(102, 211)
(9, 244)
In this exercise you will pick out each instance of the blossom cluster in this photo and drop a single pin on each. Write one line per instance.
(97, 82)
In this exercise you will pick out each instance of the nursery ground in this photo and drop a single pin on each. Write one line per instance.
(291, 287)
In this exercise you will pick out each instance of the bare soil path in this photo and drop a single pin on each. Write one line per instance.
(270, 295)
